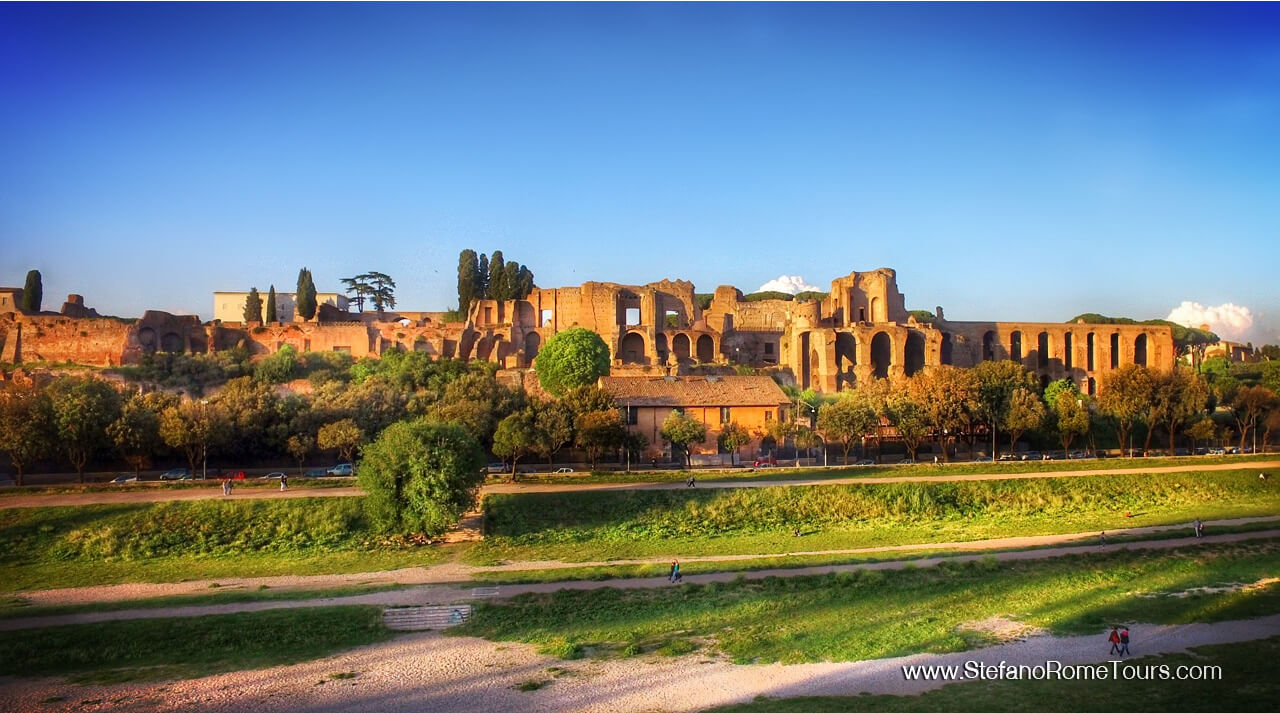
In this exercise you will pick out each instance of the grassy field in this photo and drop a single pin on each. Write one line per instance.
(877, 614)
(152, 649)
(593, 526)
(1248, 683)
(838, 471)
(44, 548)
(147, 486)
(660, 569)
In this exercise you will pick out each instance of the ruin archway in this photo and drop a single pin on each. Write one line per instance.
(806, 363)
(532, 342)
(680, 347)
(1068, 346)
(881, 355)
(171, 342)
(875, 310)
(947, 351)
(147, 338)
(846, 350)
(1140, 350)
(989, 346)
(706, 349)
(1015, 346)
(914, 357)
(1115, 350)
(1091, 348)
(631, 350)
(660, 348)
(483, 348)
(1042, 350)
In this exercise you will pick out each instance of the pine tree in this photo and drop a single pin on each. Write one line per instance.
(468, 276)
(306, 294)
(253, 306)
(271, 305)
(482, 277)
(497, 277)
(33, 293)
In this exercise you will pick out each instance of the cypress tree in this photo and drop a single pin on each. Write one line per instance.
(482, 277)
(253, 306)
(497, 277)
(306, 295)
(468, 275)
(33, 293)
(511, 280)
(271, 305)
(524, 282)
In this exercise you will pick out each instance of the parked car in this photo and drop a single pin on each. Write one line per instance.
(982, 459)
(1008, 456)
(176, 474)
(341, 469)
(865, 461)
(1181, 452)
(1217, 452)
(125, 478)
(1032, 455)
(564, 470)
(497, 467)
(272, 476)
(761, 464)
(316, 473)
(230, 475)
(907, 461)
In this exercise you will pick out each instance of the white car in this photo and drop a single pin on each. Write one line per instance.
(125, 478)
(564, 470)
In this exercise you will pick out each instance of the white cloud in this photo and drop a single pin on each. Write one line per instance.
(1230, 321)
(790, 284)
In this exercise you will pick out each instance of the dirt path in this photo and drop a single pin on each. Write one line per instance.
(213, 492)
(437, 590)
(431, 672)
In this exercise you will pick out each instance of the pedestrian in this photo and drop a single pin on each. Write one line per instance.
(935, 460)
(653, 464)
(1114, 638)
(1103, 537)
(231, 486)
(1198, 527)
(675, 572)
(226, 487)
(1124, 641)
(1262, 476)
(796, 533)
(284, 482)
(690, 482)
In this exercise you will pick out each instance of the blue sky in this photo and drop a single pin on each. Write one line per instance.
(1021, 162)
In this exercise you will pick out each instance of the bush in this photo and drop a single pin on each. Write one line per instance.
(279, 367)
(420, 477)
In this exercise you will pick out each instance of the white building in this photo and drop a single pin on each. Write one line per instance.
(229, 306)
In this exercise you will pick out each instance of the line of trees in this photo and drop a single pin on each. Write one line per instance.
(483, 277)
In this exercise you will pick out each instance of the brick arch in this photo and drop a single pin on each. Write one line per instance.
(681, 347)
(881, 354)
(1140, 349)
(632, 349)
(913, 356)
(706, 349)
(1015, 345)
(989, 342)
(532, 343)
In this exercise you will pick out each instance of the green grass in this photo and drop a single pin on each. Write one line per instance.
(869, 614)
(152, 649)
(627, 524)
(837, 471)
(16, 607)
(43, 548)
(295, 482)
(660, 569)
(1248, 683)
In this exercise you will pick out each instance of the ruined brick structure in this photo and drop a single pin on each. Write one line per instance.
(861, 331)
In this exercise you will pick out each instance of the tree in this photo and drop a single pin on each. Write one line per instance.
(1124, 397)
(82, 410)
(1025, 413)
(498, 289)
(420, 477)
(279, 367)
(1271, 424)
(136, 432)
(253, 306)
(731, 438)
(33, 293)
(1202, 430)
(300, 446)
(271, 305)
(1248, 406)
(306, 295)
(357, 290)
(909, 417)
(26, 425)
(572, 358)
(477, 402)
(382, 290)
(947, 395)
(343, 436)
(524, 282)
(195, 428)
(997, 382)
(681, 432)
(599, 431)
(516, 437)
(511, 280)
(805, 437)
(1068, 410)
(847, 420)
(553, 422)
(469, 281)
(1179, 397)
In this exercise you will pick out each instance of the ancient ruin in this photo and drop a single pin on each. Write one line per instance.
(860, 331)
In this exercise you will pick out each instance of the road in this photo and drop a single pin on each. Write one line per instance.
(213, 491)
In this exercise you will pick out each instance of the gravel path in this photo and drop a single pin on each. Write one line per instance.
(450, 593)
(160, 495)
(439, 674)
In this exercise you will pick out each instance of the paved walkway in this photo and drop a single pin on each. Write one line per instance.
(450, 593)
(215, 492)
(446, 674)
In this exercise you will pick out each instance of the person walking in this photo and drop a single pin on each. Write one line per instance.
(1124, 641)
(284, 482)
(1114, 638)
(226, 487)
(690, 482)
(1198, 527)
(1103, 537)
(675, 570)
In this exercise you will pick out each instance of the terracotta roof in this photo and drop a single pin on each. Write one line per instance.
(694, 390)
